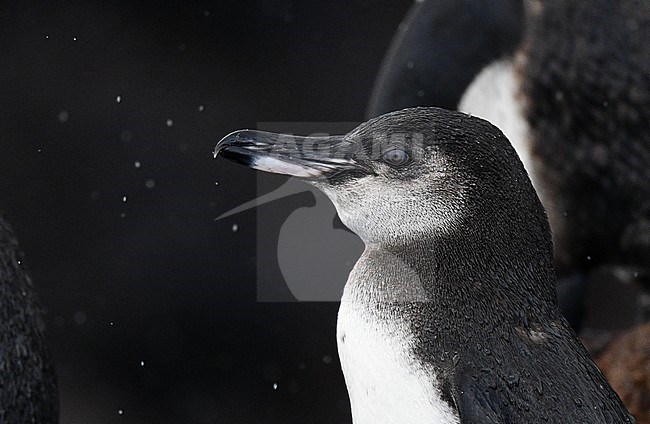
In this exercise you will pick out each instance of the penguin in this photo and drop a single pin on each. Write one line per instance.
(577, 105)
(450, 314)
(439, 48)
(570, 91)
(28, 389)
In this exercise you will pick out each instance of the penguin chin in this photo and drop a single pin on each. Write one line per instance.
(381, 211)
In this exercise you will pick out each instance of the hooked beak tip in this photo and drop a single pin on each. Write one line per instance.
(225, 142)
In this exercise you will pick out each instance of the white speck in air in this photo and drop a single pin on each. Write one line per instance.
(63, 116)
(120, 411)
(111, 323)
(47, 36)
(170, 122)
(122, 215)
(150, 183)
(275, 386)
(142, 363)
(235, 227)
(124, 199)
(216, 183)
(201, 108)
(327, 359)
(137, 164)
(74, 38)
(118, 99)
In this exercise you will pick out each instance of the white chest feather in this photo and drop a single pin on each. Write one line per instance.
(385, 383)
(494, 96)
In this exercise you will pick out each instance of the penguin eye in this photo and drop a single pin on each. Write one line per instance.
(396, 156)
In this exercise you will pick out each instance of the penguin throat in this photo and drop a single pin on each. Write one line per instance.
(444, 277)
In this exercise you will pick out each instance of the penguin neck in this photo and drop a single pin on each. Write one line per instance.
(447, 274)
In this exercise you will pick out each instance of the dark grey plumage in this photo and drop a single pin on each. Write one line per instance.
(439, 48)
(583, 77)
(28, 391)
(458, 269)
(585, 81)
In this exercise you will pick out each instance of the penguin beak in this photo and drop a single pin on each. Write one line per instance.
(311, 158)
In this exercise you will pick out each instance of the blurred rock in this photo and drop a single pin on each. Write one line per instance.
(625, 362)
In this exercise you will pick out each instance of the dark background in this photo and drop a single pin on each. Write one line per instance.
(155, 278)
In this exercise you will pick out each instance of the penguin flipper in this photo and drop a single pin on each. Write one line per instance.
(532, 388)
(476, 402)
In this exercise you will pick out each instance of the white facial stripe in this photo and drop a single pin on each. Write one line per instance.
(379, 209)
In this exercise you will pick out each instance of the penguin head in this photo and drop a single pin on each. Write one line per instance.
(414, 174)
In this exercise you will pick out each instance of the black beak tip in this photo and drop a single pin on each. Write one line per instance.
(232, 139)
(237, 156)
(243, 139)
